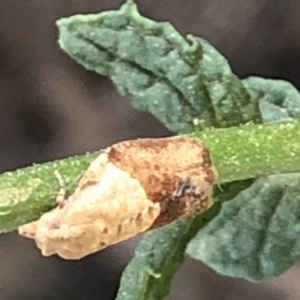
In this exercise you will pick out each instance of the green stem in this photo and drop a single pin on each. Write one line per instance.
(253, 151)
(238, 153)
(27, 193)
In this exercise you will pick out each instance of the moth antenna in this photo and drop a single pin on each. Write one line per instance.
(219, 187)
(61, 196)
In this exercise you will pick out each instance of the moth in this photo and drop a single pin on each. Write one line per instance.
(132, 187)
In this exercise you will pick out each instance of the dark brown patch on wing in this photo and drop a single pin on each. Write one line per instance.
(188, 200)
(161, 165)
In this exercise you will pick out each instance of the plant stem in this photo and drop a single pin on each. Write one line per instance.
(26, 194)
(252, 151)
(238, 153)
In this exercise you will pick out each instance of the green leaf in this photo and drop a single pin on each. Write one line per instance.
(178, 79)
(256, 235)
(158, 257)
(279, 99)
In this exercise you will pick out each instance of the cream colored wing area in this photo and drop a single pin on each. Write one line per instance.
(94, 173)
(101, 212)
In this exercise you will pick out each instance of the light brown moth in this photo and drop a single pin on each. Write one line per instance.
(133, 187)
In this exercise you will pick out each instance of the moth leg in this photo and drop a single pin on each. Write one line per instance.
(61, 196)
(186, 187)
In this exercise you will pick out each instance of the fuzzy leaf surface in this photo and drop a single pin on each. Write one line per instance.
(256, 235)
(178, 79)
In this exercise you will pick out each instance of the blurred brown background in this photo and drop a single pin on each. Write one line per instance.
(52, 108)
